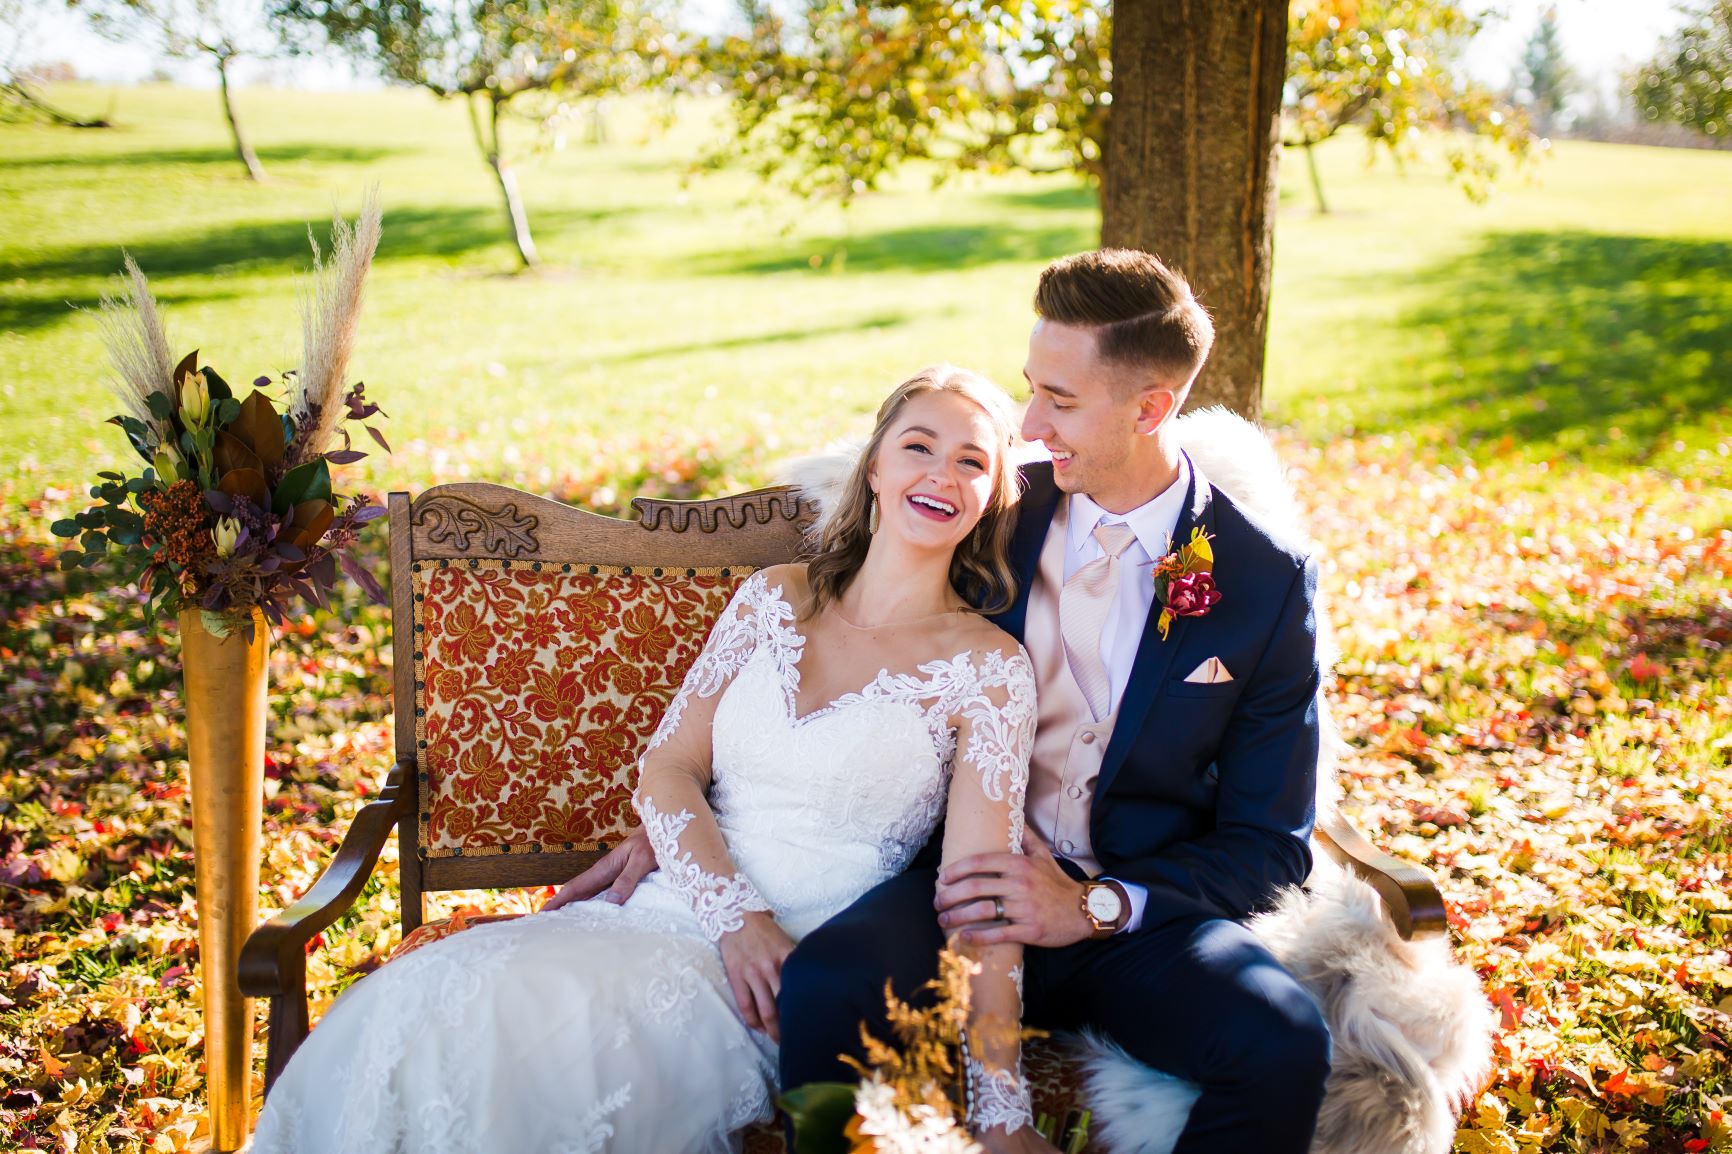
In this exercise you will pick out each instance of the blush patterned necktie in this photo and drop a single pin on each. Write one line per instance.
(1083, 605)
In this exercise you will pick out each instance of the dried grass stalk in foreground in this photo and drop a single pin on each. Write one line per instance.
(330, 316)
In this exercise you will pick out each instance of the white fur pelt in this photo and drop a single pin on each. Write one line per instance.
(1411, 1028)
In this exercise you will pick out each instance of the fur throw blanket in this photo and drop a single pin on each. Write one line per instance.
(1410, 1025)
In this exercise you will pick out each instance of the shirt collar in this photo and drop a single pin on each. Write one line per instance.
(1153, 522)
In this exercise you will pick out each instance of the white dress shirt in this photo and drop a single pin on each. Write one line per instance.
(1154, 523)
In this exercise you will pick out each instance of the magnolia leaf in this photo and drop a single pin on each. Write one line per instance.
(188, 366)
(248, 483)
(216, 386)
(314, 517)
(311, 481)
(259, 427)
(233, 453)
(216, 624)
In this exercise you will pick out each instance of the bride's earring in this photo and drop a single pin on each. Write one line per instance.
(872, 517)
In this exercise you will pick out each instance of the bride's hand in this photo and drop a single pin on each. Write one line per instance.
(753, 957)
(614, 877)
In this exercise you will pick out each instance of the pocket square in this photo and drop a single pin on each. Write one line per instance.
(1210, 672)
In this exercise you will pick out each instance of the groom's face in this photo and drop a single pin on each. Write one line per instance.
(1086, 413)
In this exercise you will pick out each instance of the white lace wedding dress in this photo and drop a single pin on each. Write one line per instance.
(598, 1027)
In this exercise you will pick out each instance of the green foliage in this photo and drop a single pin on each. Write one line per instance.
(503, 48)
(835, 98)
(1392, 66)
(1689, 80)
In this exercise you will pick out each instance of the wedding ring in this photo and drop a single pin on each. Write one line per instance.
(998, 909)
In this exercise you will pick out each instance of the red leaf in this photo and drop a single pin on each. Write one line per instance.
(1641, 669)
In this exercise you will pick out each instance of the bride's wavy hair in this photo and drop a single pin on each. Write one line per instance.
(980, 569)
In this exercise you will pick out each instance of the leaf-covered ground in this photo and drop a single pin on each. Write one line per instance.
(1534, 679)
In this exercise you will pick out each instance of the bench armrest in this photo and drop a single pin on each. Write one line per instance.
(273, 962)
(1413, 900)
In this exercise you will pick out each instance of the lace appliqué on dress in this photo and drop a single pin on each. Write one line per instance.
(721, 903)
(756, 613)
(1001, 739)
(996, 1098)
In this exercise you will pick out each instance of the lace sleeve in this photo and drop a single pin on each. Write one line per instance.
(674, 773)
(989, 788)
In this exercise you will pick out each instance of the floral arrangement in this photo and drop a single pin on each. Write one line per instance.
(234, 509)
(1185, 581)
(910, 1096)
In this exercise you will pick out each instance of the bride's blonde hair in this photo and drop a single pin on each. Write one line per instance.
(980, 568)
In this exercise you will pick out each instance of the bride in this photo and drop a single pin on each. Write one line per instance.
(839, 709)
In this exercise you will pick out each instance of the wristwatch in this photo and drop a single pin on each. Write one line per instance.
(1107, 907)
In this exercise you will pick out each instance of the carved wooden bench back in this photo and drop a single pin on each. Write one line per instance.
(545, 642)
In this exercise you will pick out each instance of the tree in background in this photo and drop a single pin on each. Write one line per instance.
(1393, 67)
(223, 30)
(1546, 78)
(1689, 80)
(833, 97)
(19, 94)
(498, 56)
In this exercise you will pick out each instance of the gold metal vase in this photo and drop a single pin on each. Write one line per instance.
(224, 680)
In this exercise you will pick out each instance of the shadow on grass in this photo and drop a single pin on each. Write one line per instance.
(268, 155)
(753, 340)
(264, 248)
(930, 248)
(1609, 345)
(19, 313)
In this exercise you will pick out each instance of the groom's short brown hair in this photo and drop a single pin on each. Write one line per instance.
(1144, 313)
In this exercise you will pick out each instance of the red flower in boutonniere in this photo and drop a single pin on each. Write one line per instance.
(1184, 581)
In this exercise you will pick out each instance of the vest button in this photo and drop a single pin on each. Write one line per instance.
(1088, 737)
(1067, 847)
(1075, 791)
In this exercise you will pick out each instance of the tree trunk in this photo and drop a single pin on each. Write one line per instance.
(1191, 158)
(1316, 179)
(255, 170)
(492, 152)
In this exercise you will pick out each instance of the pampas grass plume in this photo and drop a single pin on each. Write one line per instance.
(330, 315)
(138, 345)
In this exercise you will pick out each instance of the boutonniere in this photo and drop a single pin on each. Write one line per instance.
(1185, 582)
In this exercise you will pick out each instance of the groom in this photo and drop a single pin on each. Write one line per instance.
(1174, 771)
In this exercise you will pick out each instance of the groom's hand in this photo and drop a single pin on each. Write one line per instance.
(1042, 904)
(614, 877)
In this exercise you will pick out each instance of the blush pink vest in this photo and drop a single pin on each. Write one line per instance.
(1069, 745)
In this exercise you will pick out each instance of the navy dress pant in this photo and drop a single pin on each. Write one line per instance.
(1200, 998)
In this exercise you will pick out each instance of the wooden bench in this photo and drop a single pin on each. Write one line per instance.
(536, 646)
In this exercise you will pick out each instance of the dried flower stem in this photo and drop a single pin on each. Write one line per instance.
(138, 345)
(330, 315)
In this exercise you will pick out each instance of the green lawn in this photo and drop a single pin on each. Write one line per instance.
(1581, 314)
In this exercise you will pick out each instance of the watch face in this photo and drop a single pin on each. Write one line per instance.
(1104, 903)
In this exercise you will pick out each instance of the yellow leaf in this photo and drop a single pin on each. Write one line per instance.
(1200, 545)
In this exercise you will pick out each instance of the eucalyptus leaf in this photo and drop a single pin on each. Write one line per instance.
(69, 559)
(161, 406)
(216, 624)
(65, 527)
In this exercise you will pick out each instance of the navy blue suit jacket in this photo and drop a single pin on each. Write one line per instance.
(1207, 794)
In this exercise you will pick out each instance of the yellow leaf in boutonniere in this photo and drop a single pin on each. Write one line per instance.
(1184, 581)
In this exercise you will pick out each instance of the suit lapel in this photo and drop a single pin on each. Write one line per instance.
(1033, 518)
(1154, 656)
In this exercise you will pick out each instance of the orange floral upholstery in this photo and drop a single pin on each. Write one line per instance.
(536, 687)
(1054, 1078)
(429, 932)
